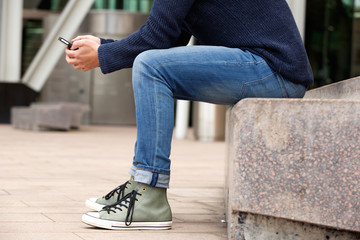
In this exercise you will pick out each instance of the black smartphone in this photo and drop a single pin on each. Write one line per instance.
(66, 42)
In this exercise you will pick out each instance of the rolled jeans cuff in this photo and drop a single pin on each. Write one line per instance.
(151, 178)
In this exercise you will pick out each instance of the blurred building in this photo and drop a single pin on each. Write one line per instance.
(332, 39)
(330, 28)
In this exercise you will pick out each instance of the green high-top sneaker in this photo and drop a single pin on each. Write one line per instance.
(145, 207)
(112, 197)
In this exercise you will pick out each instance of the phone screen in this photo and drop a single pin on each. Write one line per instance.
(66, 42)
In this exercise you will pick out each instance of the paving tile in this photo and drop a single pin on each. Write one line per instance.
(140, 235)
(196, 192)
(47, 176)
(198, 218)
(212, 228)
(4, 192)
(11, 202)
(198, 227)
(64, 217)
(41, 197)
(44, 210)
(54, 203)
(39, 236)
(40, 227)
(23, 217)
(79, 227)
(190, 211)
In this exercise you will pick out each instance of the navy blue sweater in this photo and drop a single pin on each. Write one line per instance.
(264, 27)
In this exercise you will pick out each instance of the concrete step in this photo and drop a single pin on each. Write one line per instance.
(295, 160)
(49, 116)
(347, 89)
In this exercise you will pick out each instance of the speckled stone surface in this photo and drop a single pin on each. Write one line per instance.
(347, 89)
(296, 159)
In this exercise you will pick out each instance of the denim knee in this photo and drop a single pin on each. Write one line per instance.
(143, 66)
(142, 58)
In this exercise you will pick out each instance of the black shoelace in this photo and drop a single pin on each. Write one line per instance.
(119, 190)
(130, 199)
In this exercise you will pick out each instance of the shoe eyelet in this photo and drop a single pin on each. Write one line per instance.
(140, 194)
(144, 189)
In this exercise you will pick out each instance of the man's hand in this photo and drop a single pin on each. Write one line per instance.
(86, 55)
(89, 37)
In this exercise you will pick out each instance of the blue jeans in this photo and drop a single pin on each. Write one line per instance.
(211, 74)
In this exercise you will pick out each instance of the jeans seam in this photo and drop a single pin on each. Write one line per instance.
(153, 171)
(244, 63)
(298, 90)
(251, 82)
(157, 124)
(282, 84)
(156, 67)
(164, 64)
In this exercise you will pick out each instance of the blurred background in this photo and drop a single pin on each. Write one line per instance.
(33, 68)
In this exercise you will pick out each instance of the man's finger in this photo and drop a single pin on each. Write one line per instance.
(77, 67)
(71, 56)
(77, 44)
(70, 53)
(70, 61)
(81, 37)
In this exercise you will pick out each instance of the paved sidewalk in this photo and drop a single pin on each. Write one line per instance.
(45, 177)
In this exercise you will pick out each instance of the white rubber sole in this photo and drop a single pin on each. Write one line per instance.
(92, 204)
(92, 218)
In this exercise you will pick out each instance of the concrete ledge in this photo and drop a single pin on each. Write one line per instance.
(22, 118)
(270, 228)
(295, 159)
(47, 116)
(347, 89)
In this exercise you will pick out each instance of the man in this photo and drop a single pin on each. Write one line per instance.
(249, 48)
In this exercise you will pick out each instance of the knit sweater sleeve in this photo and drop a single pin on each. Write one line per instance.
(104, 41)
(162, 30)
